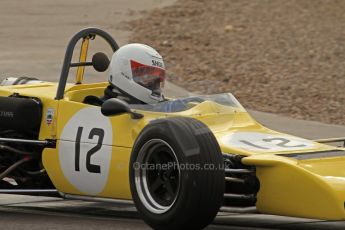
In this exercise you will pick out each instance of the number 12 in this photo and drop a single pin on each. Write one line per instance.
(92, 168)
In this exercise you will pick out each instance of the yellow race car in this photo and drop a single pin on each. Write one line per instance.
(179, 161)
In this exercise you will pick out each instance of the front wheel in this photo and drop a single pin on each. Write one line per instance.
(176, 174)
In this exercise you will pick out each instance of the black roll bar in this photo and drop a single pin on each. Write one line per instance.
(69, 54)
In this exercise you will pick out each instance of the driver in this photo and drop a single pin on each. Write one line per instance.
(137, 76)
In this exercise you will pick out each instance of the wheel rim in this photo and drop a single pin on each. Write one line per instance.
(157, 176)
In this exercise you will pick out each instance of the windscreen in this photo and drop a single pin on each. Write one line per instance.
(220, 102)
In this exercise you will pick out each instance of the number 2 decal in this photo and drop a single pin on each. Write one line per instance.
(283, 143)
(92, 168)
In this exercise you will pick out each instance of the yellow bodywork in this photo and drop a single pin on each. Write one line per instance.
(313, 188)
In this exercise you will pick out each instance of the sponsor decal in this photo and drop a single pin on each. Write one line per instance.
(157, 63)
(50, 116)
(6, 114)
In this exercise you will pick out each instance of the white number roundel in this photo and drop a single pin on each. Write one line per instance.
(256, 141)
(85, 150)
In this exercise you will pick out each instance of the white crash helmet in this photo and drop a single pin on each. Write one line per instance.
(139, 71)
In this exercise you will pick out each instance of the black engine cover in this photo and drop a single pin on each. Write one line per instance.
(20, 114)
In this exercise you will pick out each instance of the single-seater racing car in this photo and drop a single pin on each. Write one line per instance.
(179, 167)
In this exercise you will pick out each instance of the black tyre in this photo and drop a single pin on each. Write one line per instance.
(176, 174)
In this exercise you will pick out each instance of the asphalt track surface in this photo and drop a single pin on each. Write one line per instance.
(26, 212)
(30, 212)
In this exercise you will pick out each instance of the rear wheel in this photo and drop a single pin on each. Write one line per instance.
(176, 174)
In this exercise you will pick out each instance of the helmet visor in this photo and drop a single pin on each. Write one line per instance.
(149, 77)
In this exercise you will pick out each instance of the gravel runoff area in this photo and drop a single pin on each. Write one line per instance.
(280, 56)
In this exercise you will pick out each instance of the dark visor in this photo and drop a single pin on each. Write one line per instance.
(148, 76)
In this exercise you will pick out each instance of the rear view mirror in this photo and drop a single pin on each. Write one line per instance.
(114, 106)
(100, 62)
